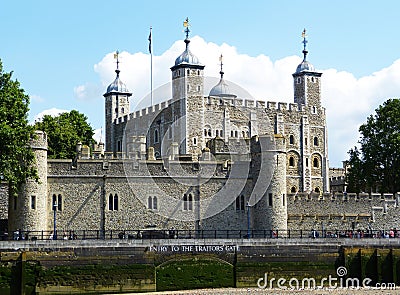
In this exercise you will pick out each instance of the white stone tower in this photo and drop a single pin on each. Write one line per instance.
(28, 211)
(307, 94)
(116, 108)
(187, 95)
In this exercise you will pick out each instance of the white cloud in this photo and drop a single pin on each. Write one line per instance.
(88, 91)
(52, 112)
(348, 100)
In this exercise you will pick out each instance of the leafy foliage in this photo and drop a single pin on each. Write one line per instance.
(16, 156)
(64, 132)
(377, 165)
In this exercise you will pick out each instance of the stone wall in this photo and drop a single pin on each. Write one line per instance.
(343, 211)
(3, 200)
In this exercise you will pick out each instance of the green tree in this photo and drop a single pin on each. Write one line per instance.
(377, 165)
(15, 155)
(64, 132)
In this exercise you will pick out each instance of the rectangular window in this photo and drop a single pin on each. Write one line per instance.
(270, 199)
(283, 199)
(33, 202)
(113, 202)
(57, 202)
(155, 205)
(185, 202)
(190, 205)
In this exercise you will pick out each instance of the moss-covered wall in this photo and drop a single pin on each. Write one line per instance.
(136, 269)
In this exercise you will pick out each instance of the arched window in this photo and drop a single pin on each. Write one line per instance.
(156, 135)
(317, 190)
(221, 133)
(122, 110)
(315, 163)
(293, 190)
(194, 141)
(236, 134)
(291, 162)
(316, 143)
(216, 132)
(188, 72)
(231, 133)
(291, 139)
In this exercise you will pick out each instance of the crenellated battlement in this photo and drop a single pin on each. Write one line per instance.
(343, 197)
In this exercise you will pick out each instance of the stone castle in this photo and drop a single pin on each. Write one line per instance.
(199, 162)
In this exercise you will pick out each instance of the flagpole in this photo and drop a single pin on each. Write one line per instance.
(151, 68)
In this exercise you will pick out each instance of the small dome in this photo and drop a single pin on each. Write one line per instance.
(305, 66)
(117, 86)
(221, 89)
(187, 57)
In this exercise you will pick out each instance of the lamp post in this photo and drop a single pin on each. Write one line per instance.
(248, 219)
(55, 220)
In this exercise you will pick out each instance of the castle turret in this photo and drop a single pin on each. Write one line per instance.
(28, 210)
(116, 106)
(268, 198)
(306, 81)
(276, 193)
(187, 95)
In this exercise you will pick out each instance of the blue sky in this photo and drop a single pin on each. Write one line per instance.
(61, 51)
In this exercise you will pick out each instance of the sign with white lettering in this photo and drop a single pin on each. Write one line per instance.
(194, 248)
